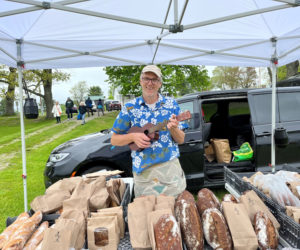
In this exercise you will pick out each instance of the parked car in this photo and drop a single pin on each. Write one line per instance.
(237, 115)
(114, 105)
(107, 103)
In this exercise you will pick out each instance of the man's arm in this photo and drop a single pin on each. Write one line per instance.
(140, 139)
(176, 133)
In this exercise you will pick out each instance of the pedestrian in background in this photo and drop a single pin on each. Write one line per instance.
(69, 107)
(89, 106)
(82, 111)
(56, 110)
(100, 107)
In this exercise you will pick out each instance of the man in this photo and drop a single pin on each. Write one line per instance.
(69, 107)
(156, 168)
(89, 106)
(100, 106)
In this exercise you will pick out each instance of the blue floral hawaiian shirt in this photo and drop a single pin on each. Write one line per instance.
(137, 113)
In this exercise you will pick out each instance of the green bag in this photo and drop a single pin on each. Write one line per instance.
(245, 153)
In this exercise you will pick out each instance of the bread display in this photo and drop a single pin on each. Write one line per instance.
(267, 234)
(37, 237)
(189, 220)
(206, 199)
(215, 229)
(167, 233)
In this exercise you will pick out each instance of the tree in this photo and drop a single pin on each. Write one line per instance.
(234, 77)
(79, 91)
(95, 90)
(177, 80)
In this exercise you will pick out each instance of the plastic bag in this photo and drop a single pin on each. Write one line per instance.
(245, 153)
(275, 186)
(288, 175)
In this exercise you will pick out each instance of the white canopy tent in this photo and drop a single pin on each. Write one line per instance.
(81, 33)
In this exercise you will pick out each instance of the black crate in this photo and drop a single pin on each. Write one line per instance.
(289, 230)
(235, 181)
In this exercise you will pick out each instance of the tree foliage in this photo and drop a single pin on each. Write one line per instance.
(95, 90)
(177, 80)
(79, 91)
(234, 77)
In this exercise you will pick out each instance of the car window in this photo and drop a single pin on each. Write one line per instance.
(115, 102)
(288, 106)
(189, 106)
(238, 108)
(208, 110)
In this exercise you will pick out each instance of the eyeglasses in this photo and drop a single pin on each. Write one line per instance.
(153, 80)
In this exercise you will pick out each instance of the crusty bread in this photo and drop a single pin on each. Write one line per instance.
(8, 232)
(206, 199)
(215, 229)
(189, 220)
(23, 233)
(267, 234)
(167, 233)
(37, 237)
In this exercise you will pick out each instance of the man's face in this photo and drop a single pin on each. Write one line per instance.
(150, 84)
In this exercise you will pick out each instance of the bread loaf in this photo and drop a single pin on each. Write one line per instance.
(267, 234)
(215, 229)
(189, 220)
(167, 233)
(206, 199)
(23, 233)
(8, 232)
(37, 237)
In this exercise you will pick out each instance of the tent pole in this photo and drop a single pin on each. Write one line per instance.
(274, 62)
(20, 78)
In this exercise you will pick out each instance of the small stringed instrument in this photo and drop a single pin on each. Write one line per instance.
(151, 130)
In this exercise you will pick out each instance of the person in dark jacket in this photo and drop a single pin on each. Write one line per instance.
(89, 106)
(100, 107)
(69, 107)
(82, 111)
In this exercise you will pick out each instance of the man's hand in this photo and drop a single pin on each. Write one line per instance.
(141, 140)
(173, 123)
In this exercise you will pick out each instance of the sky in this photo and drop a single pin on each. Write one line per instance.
(92, 76)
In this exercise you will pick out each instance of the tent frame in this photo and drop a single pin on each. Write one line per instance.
(173, 28)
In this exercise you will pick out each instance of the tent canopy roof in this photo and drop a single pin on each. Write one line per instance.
(80, 33)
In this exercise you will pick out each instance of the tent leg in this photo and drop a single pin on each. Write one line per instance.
(24, 175)
(273, 160)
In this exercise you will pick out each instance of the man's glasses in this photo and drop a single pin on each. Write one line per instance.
(153, 80)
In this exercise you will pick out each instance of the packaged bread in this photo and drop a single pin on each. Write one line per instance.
(206, 199)
(8, 232)
(228, 198)
(23, 233)
(215, 229)
(167, 233)
(266, 232)
(189, 220)
(37, 237)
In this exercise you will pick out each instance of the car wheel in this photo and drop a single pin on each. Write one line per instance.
(95, 169)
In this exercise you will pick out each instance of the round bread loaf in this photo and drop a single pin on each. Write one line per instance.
(206, 199)
(267, 234)
(167, 233)
(215, 229)
(190, 223)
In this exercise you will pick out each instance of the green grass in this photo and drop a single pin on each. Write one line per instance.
(11, 183)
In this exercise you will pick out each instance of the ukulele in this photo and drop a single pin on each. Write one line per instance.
(152, 130)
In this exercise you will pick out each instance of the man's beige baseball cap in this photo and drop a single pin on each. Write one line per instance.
(152, 68)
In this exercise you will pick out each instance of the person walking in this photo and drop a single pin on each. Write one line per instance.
(82, 111)
(100, 106)
(89, 106)
(156, 168)
(56, 110)
(69, 107)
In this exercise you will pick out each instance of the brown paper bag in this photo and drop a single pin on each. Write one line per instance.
(102, 233)
(56, 239)
(79, 217)
(114, 211)
(240, 226)
(152, 219)
(137, 223)
(294, 186)
(67, 184)
(100, 197)
(209, 153)
(71, 225)
(293, 212)
(163, 198)
(116, 189)
(163, 206)
(222, 150)
(49, 203)
(150, 198)
(80, 204)
(253, 204)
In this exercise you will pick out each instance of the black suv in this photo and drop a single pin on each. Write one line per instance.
(238, 115)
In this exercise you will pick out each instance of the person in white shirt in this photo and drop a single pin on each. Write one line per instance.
(57, 112)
